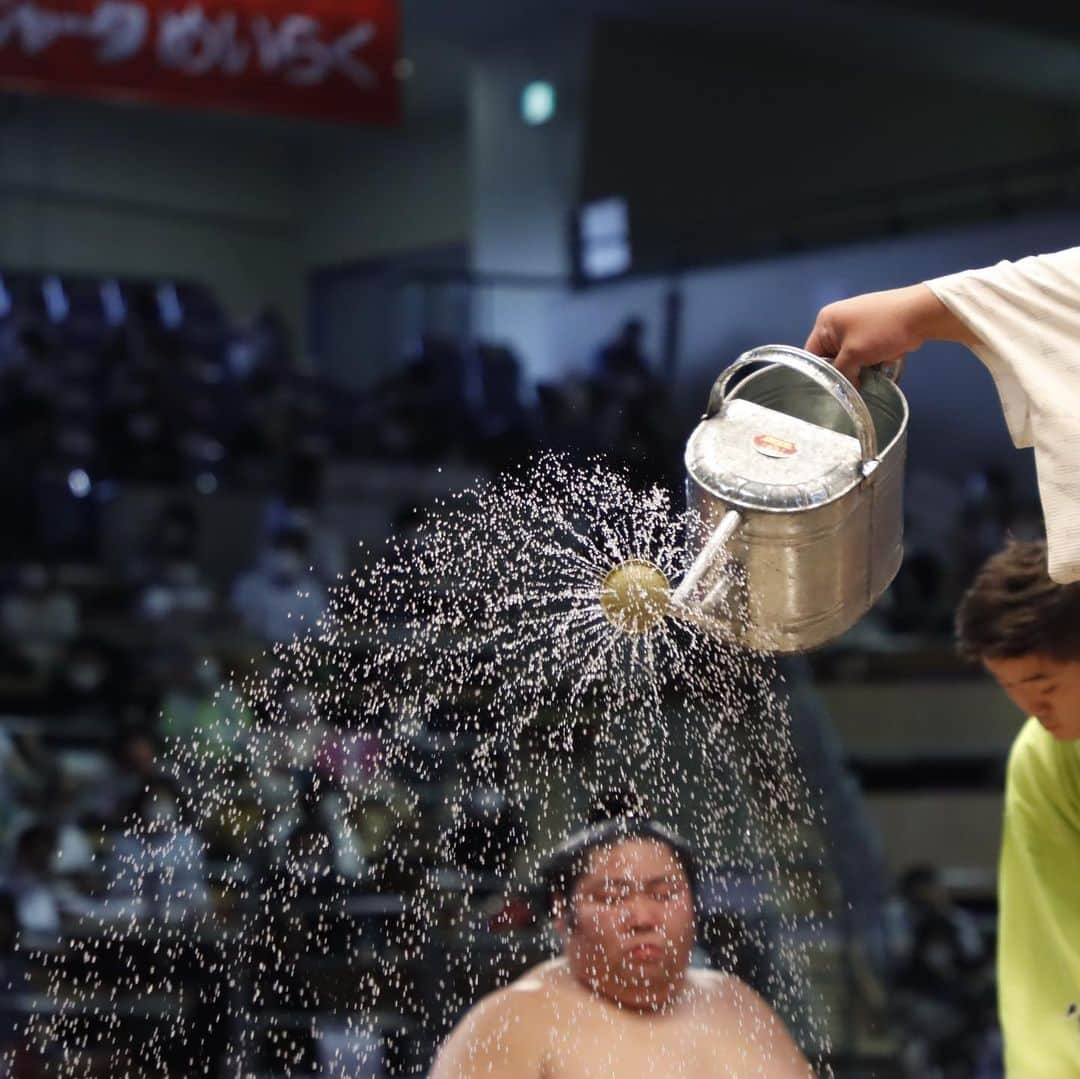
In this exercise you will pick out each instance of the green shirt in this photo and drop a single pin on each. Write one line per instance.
(1039, 894)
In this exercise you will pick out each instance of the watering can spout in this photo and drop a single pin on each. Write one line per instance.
(700, 576)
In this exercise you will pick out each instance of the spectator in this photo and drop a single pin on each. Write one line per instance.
(369, 828)
(203, 717)
(9, 940)
(283, 751)
(29, 437)
(565, 414)
(73, 857)
(142, 445)
(266, 431)
(734, 945)
(298, 504)
(488, 834)
(157, 867)
(348, 758)
(28, 771)
(174, 536)
(630, 408)
(421, 407)
(942, 977)
(280, 597)
(235, 823)
(39, 619)
(135, 767)
(34, 373)
(31, 883)
(90, 683)
(167, 570)
(941, 940)
(309, 852)
(621, 364)
(500, 432)
(18, 1059)
(264, 348)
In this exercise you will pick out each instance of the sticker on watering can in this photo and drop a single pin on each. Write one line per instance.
(772, 446)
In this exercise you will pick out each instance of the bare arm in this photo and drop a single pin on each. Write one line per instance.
(497, 1039)
(880, 327)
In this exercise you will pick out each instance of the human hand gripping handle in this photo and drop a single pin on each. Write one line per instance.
(882, 327)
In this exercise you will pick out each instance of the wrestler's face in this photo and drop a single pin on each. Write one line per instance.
(1046, 688)
(630, 926)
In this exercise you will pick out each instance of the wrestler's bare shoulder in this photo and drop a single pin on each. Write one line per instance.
(528, 994)
(505, 1033)
(726, 1002)
(717, 986)
(724, 993)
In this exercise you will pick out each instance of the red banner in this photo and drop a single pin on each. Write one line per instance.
(333, 59)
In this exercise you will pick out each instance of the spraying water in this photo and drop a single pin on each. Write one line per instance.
(511, 665)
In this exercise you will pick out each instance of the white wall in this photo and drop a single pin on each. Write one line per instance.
(371, 193)
(87, 187)
(376, 195)
(247, 204)
(525, 183)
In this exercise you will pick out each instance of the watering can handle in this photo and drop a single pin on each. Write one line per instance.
(817, 370)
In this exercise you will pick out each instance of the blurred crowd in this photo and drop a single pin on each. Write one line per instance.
(950, 529)
(115, 720)
(108, 656)
(942, 994)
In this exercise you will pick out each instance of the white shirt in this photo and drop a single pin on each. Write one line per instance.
(1026, 315)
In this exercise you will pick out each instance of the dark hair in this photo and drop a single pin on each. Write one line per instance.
(564, 867)
(35, 843)
(292, 537)
(917, 877)
(1014, 609)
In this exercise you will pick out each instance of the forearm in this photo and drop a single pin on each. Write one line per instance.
(930, 320)
(881, 327)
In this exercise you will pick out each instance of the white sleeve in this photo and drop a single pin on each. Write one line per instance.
(1026, 315)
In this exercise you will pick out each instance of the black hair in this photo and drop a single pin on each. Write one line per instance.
(1014, 609)
(293, 537)
(36, 841)
(917, 877)
(564, 867)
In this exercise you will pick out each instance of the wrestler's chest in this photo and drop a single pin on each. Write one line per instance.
(614, 1051)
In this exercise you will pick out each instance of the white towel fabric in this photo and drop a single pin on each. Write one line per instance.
(1026, 315)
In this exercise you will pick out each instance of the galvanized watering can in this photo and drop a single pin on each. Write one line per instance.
(796, 477)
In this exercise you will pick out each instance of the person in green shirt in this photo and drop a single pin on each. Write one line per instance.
(1025, 630)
